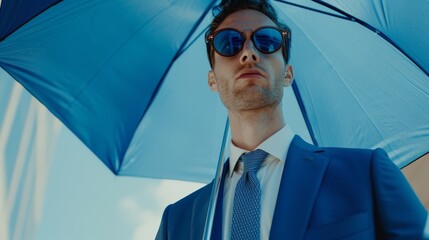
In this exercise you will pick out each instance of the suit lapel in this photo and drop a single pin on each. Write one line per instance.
(199, 210)
(201, 205)
(302, 175)
(217, 222)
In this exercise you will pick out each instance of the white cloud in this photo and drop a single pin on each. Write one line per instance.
(148, 226)
(170, 191)
(131, 208)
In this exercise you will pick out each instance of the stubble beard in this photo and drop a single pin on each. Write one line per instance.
(252, 98)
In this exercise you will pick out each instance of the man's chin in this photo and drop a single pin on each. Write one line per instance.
(253, 103)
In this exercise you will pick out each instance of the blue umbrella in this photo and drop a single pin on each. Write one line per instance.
(129, 77)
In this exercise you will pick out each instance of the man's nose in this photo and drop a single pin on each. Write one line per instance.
(249, 54)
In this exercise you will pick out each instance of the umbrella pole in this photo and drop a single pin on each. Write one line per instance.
(216, 184)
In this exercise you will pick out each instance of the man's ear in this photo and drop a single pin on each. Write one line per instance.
(288, 76)
(212, 81)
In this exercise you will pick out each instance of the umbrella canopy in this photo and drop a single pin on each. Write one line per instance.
(129, 78)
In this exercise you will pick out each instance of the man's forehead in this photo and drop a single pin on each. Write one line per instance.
(246, 19)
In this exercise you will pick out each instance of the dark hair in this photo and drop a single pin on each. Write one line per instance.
(227, 7)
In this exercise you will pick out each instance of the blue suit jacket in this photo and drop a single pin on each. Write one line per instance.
(325, 193)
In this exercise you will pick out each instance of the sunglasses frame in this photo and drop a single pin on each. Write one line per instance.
(285, 35)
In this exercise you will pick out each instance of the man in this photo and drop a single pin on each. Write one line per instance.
(285, 188)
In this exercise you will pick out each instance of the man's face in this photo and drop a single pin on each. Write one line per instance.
(249, 80)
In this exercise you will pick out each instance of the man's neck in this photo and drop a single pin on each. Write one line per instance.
(251, 128)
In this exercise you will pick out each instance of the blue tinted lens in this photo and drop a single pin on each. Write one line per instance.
(267, 40)
(228, 42)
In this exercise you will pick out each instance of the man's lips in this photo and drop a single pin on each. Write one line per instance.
(250, 73)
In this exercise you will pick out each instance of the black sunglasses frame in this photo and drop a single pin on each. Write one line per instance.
(285, 37)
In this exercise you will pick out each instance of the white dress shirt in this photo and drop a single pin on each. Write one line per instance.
(269, 176)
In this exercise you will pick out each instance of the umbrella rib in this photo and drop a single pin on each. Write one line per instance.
(350, 17)
(112, 165)
(160, 83)
(190, 44)
(344, 83)
(406, 165)
(182, 47)
(178, 54)
(370, 27)
(304, 112)
(313, 9)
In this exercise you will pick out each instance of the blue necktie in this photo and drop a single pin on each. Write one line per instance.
(246, 212)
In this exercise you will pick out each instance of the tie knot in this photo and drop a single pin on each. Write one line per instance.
(253, 160)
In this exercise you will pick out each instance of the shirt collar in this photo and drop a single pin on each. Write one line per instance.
(277, 145)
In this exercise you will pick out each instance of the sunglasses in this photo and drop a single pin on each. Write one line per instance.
(228, 42)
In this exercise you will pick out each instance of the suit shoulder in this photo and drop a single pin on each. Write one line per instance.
(349, 152)
(338, 152)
